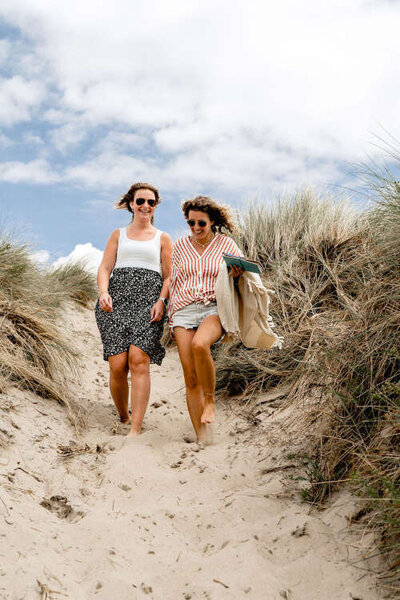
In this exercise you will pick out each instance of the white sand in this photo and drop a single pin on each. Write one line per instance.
(153, 518)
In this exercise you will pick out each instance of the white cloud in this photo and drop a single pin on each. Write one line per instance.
(41, 257)
(68, 136)
(32, 139)
(34, 171)
(117, 141)
(109, 169)
(18, 97)
(85, 253)
(216, 93)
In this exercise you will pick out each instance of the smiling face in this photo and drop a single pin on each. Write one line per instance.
(140, 206)
(200, 225)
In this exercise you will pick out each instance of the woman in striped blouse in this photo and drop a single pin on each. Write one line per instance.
(193, 313)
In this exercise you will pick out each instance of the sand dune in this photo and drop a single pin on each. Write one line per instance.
(97, 516)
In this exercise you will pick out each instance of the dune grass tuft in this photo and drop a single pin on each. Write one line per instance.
(33, 353)
(307, 246)
(74, 282)
(336, 276)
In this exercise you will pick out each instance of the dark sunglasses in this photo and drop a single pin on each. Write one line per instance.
(192, 223)
(140, 201)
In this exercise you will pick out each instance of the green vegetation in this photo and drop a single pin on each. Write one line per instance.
(336, 276)
(33, 352)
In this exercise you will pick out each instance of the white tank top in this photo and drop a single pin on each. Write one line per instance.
(139, 254)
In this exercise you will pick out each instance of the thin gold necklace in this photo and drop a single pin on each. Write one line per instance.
(203, 245)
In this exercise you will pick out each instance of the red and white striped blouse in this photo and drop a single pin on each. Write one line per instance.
(193, 276)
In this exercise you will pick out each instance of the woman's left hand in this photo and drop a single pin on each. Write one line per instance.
(157, 312)
(235, 271)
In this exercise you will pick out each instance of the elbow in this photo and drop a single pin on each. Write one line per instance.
(103, 270)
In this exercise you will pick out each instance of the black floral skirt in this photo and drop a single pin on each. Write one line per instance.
(134, 292)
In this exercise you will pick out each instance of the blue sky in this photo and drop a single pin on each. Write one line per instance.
(232, 99)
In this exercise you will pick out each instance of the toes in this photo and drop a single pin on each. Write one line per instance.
(207, 418)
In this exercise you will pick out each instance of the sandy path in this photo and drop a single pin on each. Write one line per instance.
(153, 517)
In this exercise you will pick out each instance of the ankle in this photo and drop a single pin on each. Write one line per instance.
(209, 398)
(136, 430)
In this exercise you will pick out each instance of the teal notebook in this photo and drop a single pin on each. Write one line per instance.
(243, 263)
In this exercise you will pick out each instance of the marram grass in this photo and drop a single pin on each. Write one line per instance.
(33, 352)
(336, 276)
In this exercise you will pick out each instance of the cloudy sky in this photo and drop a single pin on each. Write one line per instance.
(231, 98)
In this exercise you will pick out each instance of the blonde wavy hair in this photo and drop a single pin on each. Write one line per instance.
(219, 213)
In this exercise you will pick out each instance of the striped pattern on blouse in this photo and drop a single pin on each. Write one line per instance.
(193, 276)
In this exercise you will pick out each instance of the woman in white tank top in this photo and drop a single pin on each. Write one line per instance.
(133, 280)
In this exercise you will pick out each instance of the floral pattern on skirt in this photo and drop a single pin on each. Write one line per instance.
(134, 292)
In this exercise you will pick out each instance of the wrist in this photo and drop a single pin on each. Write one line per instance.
(102, 293)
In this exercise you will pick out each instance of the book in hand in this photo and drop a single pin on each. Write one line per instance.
(244, 263)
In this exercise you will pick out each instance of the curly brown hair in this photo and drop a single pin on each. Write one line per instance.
(220, 214)
(124, 202)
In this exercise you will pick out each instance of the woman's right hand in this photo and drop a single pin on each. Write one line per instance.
(105, 302)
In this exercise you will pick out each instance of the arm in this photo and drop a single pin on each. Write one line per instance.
(105, 269)
(234, 270)
(172, 287)
(157, 311)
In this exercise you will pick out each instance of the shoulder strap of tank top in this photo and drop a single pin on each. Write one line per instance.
(158, 241)
(122, 236)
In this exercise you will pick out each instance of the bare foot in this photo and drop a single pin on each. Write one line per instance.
(124, 420)
(199, 446)
(208, 415)
(202, 433)
(133, 433)
(210, 435)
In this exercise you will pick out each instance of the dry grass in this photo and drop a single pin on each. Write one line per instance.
(74, 282)
(74, 449)
(307, 246)
(337, 280)
(33, 353)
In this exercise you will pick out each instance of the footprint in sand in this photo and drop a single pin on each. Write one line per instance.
(62, 509)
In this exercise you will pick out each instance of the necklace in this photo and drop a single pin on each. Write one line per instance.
(203, 245)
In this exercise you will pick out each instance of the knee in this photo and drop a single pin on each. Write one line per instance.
(138, 364)
(191, 381)
(200, 347)
(119, 371)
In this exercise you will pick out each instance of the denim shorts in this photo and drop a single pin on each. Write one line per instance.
(193, 314)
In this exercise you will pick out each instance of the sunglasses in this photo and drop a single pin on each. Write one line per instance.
(192, 223)
(140, 201)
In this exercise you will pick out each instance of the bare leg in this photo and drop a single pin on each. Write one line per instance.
(139, 366)
(194, 394)
(119, 384)
(209, 331)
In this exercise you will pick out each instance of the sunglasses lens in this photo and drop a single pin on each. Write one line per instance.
(192, 223)
(140, 201)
